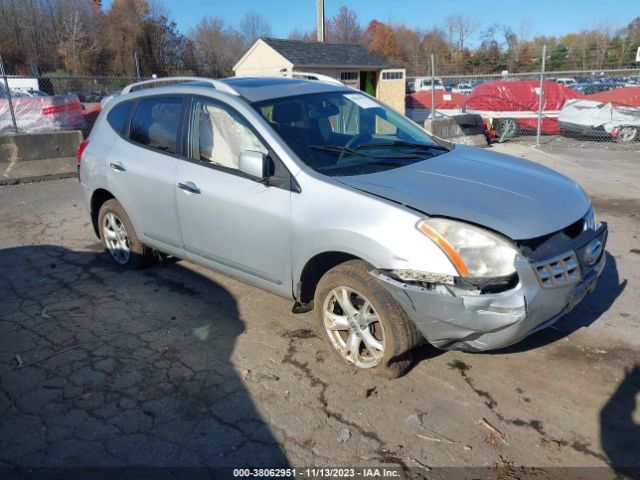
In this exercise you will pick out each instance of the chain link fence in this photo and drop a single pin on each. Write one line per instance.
(597, 108)
(584, 106)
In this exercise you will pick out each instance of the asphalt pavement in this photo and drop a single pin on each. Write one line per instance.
(178, 366)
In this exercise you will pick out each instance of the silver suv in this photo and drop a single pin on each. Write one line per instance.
(319, 193)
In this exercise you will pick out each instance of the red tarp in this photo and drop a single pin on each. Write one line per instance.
(444, 100)
(42, 114)
(624, 97)
(521, 96)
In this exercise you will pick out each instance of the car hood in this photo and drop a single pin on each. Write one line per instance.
(515, 197)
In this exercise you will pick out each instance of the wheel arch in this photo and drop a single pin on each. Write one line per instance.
(98, 198)
(315, 268)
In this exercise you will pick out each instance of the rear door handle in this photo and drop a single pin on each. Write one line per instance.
(117, 166)
(189, 187)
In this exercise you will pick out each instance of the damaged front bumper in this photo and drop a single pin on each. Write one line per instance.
(452, 318)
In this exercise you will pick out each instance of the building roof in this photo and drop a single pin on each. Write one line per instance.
(315, 54)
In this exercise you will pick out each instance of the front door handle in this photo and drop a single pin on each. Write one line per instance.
(189, 187)
(117, 166)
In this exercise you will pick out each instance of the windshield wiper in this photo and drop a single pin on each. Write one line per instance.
(355, 152)
(386, 161)
(340, 150)
(402, 143)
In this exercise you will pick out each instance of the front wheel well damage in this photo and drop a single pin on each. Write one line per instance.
(97, 200)
(313, 271)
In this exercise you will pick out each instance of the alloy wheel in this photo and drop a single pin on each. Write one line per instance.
(116, 238)
(627, 134)
(354, 327)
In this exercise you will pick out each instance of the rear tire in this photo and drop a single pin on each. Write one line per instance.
(507, 129)
(372, 331)
(119, 238)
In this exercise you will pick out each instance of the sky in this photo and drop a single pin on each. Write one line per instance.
(544, 17)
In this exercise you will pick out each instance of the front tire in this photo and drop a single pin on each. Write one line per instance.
(361, 321)
(628, 134)
(119, 238)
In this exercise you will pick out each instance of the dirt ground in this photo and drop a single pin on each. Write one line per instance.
(177, 366)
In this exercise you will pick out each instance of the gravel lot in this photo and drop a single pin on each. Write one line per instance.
(179, 366)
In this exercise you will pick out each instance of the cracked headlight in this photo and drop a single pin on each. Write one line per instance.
(475, 252)
(589, 219)
(419, 276)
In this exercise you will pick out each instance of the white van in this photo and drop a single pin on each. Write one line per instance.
(424, 83)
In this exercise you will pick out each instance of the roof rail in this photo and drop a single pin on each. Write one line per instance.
(316, 76)
(297, 74)
(217, 84)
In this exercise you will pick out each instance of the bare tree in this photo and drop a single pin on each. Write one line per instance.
(509, 37)
(629, 37)
(88, 37)
(300, 35)
(76, 46)
(26, 34)
(165, 46)
(252, 27)
(410, 41)
(526, 27)
(217, 47)
(488, 39)
(459, 28)
(125, 33)
(344, 27)
(604, 32)
(435, 42)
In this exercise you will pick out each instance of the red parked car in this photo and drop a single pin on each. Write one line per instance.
(41, 113)
(511, 107)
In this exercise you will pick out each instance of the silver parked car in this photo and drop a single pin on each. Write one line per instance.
(319, 193)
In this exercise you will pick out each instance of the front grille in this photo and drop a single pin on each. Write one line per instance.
(531, 246)
(557, 272)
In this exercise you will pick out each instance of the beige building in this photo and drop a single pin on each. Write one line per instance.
(351, 64)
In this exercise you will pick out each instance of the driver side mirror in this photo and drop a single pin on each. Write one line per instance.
(255, 164)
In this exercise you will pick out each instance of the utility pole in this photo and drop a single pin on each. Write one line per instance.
(433, 86)
(8, 92)
(541, 94)
(137, 60)
(320, 20)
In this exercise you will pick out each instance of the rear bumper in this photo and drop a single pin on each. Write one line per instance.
(449, 318)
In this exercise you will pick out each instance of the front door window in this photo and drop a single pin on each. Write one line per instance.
(219, 135)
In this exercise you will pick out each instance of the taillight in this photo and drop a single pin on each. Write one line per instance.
(81, 149)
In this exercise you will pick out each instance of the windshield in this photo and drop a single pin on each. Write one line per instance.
(347, 133)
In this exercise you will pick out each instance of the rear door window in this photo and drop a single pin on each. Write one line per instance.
(157, 122)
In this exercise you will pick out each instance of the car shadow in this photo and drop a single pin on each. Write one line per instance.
(620, 426)
(105, 367)
(608, 288)
(423, 353)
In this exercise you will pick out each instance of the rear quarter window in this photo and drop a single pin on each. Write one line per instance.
(119, 115)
